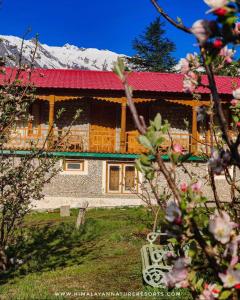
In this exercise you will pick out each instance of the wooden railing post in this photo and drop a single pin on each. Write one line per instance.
(51, 120)
(123, 126)
(194, 143)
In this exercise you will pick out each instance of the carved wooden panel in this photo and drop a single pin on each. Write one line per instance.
(102, 137)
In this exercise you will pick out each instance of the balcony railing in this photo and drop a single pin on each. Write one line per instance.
(79, 140)
(184, 139)
(61, 139)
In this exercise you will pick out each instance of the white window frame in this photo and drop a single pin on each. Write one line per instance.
(109, 165)
(84, 171)
(122, 166)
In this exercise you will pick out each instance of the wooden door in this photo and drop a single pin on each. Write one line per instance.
(103, 127)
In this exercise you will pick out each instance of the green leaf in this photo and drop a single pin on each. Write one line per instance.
(158, 122)
(225, 295)
(150, 175)
(165, 127)
(156, 138)
(173, 241)
(144, 159)
(138, 165)
(143, 140)
(119, 68)
(235, 118)
(199, 283)
(237, 266)
(159, 141)
(230, 20)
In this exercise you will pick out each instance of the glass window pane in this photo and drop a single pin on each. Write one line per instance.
(129, 178)
(114, 176)
(74, 166)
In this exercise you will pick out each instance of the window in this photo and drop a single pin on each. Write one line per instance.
(73, 165)
(121, 178)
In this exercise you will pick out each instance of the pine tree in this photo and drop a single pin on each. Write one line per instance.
(153, 50)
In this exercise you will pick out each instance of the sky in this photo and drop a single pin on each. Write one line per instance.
(102, 24)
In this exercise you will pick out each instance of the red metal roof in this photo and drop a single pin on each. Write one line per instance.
(103, 80)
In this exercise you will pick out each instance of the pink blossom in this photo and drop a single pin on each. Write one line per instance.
(236, 94)
(193, 60)
(232, 248)
(234, 261)
(221, 226)
(230, 278)
(234, 102)
(227, 54)
(173, 212)
(177, 148)
(190, 82)
(196, 187)
(178, 275)
(184, 66)
(237, 28)
(183, 187)
(238, 124)
(210, 292)
(215, 4)
(188, 85)
(201, 29)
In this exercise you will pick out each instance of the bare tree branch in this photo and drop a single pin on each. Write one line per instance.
(169, 19)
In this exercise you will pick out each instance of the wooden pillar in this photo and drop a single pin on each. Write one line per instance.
(51, 120)
(123, 126)
(36, 120)
(194, 130)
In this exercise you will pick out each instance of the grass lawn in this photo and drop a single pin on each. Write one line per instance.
(102, 257)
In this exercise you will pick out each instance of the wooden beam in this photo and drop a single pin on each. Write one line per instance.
(192, 103)
(123, 126)
(194, 131)
(51, 120)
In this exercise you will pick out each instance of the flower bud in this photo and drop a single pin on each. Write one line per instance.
(220, 12)
(217, 43)
(234, 102)
(201, 29)
(236, 94)
(183, 187)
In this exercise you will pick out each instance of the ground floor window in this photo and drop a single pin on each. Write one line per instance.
(73, 165)
(121, 178)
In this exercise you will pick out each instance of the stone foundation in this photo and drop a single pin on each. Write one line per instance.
(69, 189)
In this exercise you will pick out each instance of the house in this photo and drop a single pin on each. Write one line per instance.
(98, 151)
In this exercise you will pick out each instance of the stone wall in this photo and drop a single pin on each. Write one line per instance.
(93, 184)
(199, 171)
(67, 185)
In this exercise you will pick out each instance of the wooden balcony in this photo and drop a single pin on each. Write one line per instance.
(184, 139)
(59, 139)
(76, 140)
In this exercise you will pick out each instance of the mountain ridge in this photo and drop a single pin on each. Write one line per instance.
(56, 57)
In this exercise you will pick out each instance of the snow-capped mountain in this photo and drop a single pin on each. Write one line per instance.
(51, 57)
